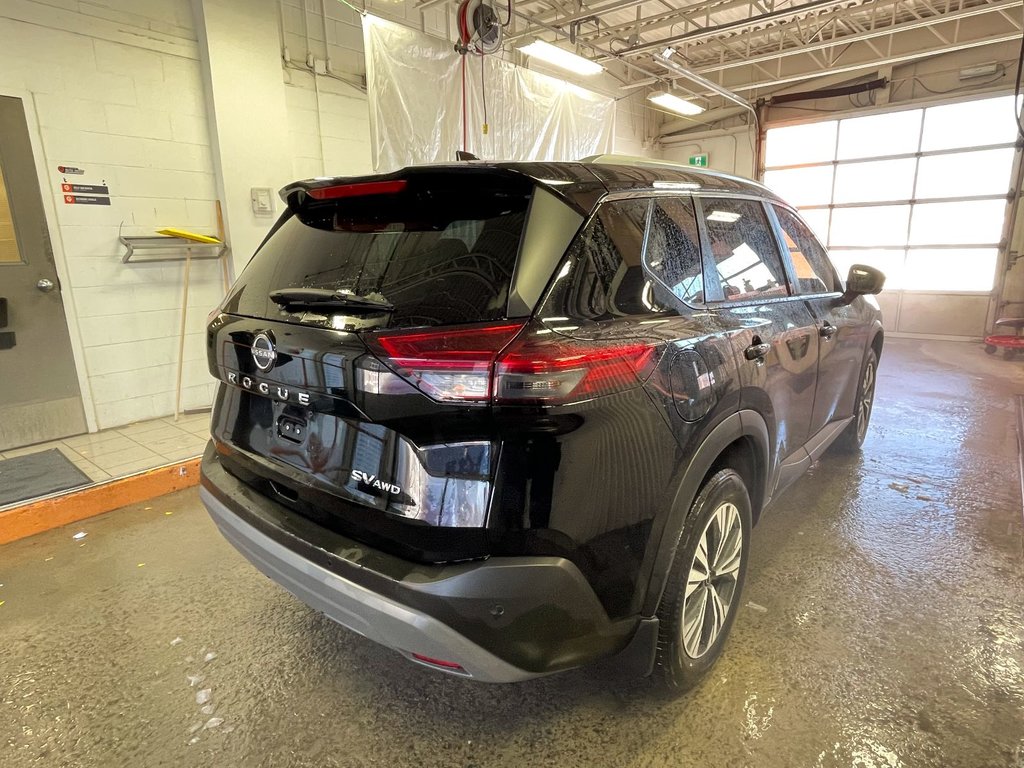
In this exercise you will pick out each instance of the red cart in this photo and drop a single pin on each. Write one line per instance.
(1010, 344)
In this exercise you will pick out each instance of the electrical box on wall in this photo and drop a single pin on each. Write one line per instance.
(262, 201)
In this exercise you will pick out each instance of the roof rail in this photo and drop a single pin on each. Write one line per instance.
(649, 162)
(643, 162)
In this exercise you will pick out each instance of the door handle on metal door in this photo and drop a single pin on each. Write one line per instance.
(757, 351)
(46, 285)
(827, 331)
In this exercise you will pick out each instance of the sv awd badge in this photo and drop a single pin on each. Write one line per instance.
(371, 481)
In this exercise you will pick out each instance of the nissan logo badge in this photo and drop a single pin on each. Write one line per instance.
(263, 352)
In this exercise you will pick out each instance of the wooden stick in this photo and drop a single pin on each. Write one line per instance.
(181, 335)
(225, 267)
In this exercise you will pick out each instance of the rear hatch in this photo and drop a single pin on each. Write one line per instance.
(356, 350)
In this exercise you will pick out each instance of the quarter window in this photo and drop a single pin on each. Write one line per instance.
(673, 250)
(604, 276)
(744, 249)
(814, 273)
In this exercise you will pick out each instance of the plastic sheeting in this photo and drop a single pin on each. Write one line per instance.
(415, 91)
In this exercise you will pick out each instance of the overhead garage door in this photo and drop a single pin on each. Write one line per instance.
(922, 194)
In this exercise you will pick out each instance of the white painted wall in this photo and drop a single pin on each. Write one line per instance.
(729, 151)
(116, 88)
(238, 44)
(173, 114)
(633, 124)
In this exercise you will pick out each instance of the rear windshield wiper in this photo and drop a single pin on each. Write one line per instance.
(321, 299)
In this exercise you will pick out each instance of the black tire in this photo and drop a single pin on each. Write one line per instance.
(681, 661)
(853, 436)
(990, 349)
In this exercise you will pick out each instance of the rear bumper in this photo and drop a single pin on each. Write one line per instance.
(501, 620)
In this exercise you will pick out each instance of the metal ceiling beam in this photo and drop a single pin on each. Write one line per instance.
(698, 122)
(706, 32)
(606, 53)
(876, 63)
(907, 26)
(553, 20)
(661, 20)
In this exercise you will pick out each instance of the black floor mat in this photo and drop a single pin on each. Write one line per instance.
(38, 474)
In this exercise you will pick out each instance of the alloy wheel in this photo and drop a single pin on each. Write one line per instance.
(711, 584)
(867, 399)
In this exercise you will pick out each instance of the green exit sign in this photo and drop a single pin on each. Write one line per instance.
(701, 161)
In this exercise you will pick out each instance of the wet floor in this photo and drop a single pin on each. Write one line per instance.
(882, 626)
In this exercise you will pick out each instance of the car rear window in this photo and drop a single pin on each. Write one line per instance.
(441, 251)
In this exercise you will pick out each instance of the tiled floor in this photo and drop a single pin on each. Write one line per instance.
(122, 451)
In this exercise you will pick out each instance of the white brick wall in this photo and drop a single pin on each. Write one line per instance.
(332, 107)
(117, 90)
(116, 87)
(337, 110)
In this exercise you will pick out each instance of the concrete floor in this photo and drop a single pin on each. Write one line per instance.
(882, 626)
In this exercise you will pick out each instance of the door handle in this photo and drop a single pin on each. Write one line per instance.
(827, 331)
(46, 285)
(757, 351)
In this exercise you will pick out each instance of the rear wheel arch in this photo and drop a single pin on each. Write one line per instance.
(739, 442)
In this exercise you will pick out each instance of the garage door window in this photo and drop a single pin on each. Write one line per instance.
(920, 193)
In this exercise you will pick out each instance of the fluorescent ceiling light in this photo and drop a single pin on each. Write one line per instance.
(979, 70)
(727, 217)
(675, 104)
(560, 57)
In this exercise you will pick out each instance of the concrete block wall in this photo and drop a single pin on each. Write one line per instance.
(115, 88)
(329, 117)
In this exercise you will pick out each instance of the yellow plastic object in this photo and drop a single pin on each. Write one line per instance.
(184, 233)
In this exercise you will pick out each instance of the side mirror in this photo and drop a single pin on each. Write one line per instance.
(862, 281)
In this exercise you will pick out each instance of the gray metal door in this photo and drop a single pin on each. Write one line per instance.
(39, 395)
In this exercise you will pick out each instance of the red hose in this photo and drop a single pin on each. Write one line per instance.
(463, 103)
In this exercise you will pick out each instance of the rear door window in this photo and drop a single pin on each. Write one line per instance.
(673, 248)
(441, 251)
(744, 249)
(604, 277)
(811, 265)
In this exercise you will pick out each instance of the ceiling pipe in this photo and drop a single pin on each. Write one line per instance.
(682, 71)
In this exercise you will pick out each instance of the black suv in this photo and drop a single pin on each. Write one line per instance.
(510, 418)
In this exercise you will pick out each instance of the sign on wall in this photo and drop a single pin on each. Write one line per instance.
(75, 193)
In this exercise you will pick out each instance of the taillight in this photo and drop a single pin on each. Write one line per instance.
(508, 363)
(359, 189)
(544, 367)
(449, 365)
